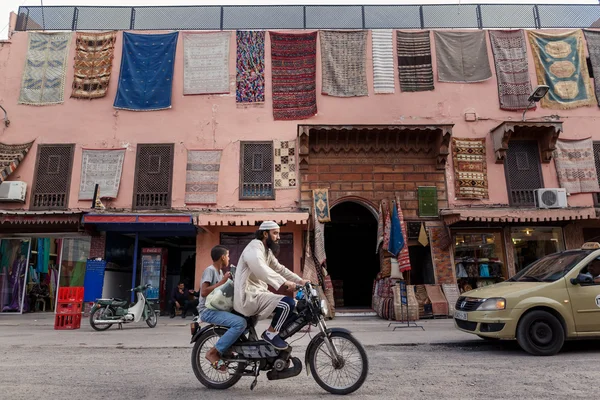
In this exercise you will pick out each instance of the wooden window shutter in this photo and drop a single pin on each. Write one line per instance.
(153, 176)
(523, 172)
(428, 204)
(52, 178)
(256, 171)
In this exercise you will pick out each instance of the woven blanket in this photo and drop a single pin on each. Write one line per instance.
(102, 167)
(285, 164)
(560, 63)
(383, 61)
(321, 204)
(11, 156)
(592, 39)
(94, 53)
(206, 62)
(146, 78)
(575, 166)
(451, 293)
(470, 168)
(294, 70)
(344, 63)
(45, 69)
(439, 304)
(462, 56)
(202, 176)
(414, 61)
(403, 256)
(512, 70)
(250, 67)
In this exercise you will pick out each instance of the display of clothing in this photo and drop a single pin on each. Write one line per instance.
(17, 283)
(484, 271)
(43, 255)
(460, 271)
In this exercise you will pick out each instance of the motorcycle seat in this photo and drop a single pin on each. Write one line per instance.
(115, 302)
(250, 321)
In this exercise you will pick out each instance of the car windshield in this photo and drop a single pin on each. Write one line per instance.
(550, 268)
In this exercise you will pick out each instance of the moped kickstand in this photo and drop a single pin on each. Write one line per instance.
(120, 326)
(255, 381)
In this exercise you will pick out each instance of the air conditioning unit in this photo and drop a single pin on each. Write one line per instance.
(550, 198)
(13, 191)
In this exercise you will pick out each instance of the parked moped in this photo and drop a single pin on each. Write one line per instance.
(107, 312)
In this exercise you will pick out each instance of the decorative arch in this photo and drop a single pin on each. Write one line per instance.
(369, 205)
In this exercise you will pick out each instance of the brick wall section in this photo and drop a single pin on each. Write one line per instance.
(98, 246)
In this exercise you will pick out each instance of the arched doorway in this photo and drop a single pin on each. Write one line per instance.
(352, 263)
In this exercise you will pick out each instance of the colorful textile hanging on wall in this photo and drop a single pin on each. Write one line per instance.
(250, 67)
(560, 64)
(414, 61)
(512, 69)
(470, 168)
(344, 63)
(94, 54)
(284, 163)
(146, 78)
(403, 256)
(43, 80)
(11, 156)
(202, 176)
(592, 39)
(575, 166)
(205, 62)
(103, 167)
(383, 61)
(321, 204)
(294, 72)
(462, 57)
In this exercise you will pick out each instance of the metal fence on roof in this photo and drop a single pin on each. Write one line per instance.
(474, 16)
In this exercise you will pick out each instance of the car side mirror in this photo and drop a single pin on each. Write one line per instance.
(582, 278)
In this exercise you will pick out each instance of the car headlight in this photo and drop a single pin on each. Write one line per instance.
(492, 304)
(324, 308)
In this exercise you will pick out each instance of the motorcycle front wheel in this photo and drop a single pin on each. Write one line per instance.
(101, 313)
(152, 319)
(339, 377)
(204, 371)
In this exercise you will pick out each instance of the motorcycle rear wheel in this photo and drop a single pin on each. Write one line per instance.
(152, 320)
(204, 372)
(105, 312)
(355, 365)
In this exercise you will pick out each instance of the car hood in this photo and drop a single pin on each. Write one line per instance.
(504, 289)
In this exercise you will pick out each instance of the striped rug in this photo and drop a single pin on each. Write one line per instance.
(383, 61)
(414, 61)
(202, 176)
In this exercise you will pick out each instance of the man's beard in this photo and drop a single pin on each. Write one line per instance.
(272, 245)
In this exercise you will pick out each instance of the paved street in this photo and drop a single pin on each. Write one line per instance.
(138, 362)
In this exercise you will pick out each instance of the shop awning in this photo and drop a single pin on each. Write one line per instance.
(162, 224)
(545, 132)
(39, 217)
(516, 215)
(250, 218)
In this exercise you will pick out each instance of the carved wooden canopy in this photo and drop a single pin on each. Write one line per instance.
(432, 140)
(545, 132)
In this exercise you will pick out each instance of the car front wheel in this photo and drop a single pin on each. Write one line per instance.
(540, 333)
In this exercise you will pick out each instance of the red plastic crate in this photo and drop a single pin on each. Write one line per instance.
(70, 294)
(67, 321)
(68, 308)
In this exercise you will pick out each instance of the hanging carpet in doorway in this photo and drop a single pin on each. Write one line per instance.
(43, 80)
(403, 256)
(512, 70)
(415, 70)
(11, 156)
(560, 63)
(383, 61)
(146, 78)
(462, 57)
(94, 53)
(250, 67)
(102, 167)
(344, 63)
(205, 62)
(470, 168)
(284, 163)
(202, 176)
(575, 166)
(592, 39)
(294, 69)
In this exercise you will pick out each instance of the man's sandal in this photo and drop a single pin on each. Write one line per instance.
(219, 366)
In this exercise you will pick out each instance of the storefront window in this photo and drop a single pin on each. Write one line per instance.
(42, 276)
(13, 274)
(479, 259)
(75, 252)
(533, 243)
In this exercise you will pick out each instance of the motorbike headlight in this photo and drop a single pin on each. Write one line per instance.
(492, 304)
(324, 308)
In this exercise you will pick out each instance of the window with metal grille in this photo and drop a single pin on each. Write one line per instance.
(523, 172)
(256, 171)
(153, 176)
(52, 179)
(597, 159)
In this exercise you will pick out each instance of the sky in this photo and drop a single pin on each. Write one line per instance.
(6, 6)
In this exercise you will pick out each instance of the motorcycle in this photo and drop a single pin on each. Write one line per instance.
(107, 312)
(337, 360)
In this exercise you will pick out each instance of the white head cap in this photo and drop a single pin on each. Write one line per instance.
(268, 225)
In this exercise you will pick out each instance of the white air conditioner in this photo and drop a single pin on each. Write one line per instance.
(550, 198)
(13, 191)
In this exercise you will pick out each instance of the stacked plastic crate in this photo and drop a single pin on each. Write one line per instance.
(69, 308)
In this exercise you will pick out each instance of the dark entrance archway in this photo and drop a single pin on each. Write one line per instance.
(352, 263)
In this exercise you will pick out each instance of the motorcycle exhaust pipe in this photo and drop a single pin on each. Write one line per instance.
(109, 321)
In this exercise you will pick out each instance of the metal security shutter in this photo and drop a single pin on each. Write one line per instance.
(597, 159)
(52, 179)
(523, 172)
(256, 171)
(153, 176)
